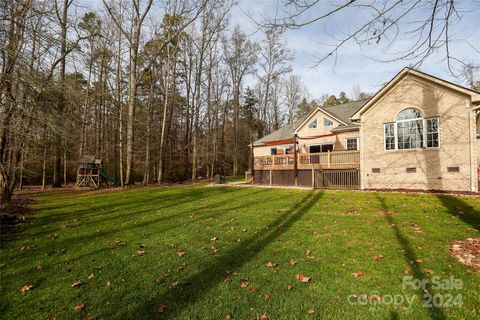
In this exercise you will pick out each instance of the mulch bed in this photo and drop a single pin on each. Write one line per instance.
(467, 252)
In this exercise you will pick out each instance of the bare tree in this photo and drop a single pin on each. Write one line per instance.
(426, 26)
(275, 57)
(240, 57)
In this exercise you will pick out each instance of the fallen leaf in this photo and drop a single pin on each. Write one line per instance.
(357, 274)
(244, 284)
(89, 317)
(266, 296)
(302, 278)
(181, 253)
(311, 310)
(379, 257)
(77, 283)
(142, 245)
(161, 309)
(228, 317)
(214, 239)
(79, 307)
(263, 317)
(419, 261)
(308, 252)
(26, 288)
(139, 253)
(289, 287)
(293, 262)
(428, 271)
(271, 265)
(254, 290)
(244, 279)
(244, 230)
(90, 277)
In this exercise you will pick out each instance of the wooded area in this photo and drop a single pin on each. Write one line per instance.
(156, 90)
(156, 100)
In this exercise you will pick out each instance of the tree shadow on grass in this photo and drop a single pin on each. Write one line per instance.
(207, 278)
(412, 260)
(91, 216)
(129, 202)
(164, 224)
(462, 210)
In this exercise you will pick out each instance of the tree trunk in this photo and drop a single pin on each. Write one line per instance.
(61, 108)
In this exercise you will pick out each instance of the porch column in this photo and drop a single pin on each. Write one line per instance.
(295, 160)
(252, 160)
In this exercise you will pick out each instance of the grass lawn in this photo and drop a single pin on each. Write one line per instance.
(206, 251)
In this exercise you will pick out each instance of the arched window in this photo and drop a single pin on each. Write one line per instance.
(411, 131)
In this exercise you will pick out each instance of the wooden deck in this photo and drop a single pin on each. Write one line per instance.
(326, 160)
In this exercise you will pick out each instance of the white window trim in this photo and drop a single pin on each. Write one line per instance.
(424, 135)
(394, 137)
(352, 138)
(325, 118)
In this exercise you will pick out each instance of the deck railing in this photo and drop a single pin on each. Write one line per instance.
(324, 160)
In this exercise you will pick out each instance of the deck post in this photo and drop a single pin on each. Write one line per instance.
(329, 155)
(313, 178)
(295, 160)
(270, 179)
(252, 160)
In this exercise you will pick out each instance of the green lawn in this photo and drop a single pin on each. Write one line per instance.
(227, 235)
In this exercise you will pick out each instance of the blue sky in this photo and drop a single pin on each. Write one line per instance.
(357, 65)
(354, 65)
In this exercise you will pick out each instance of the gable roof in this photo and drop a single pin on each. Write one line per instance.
(346, 110)
(284, 132)
(341, 113)
(475, 96)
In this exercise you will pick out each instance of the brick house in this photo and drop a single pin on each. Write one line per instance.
(417, 133)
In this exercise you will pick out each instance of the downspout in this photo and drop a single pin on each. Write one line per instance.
(472, 137)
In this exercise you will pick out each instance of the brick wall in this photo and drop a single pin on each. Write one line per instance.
(431, 164)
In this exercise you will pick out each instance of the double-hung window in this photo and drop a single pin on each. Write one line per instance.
(432, 132)
(352, 143)
(411, 131)
(389, 131)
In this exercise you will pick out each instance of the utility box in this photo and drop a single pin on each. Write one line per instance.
(219, 179)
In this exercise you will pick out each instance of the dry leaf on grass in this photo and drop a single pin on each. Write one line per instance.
(244, 284)
(139, 253)
(311, 311)
(357, 274)
(302, 278)
(90, 277)
(308, 252)
(214, 239)
(161, 309)
(181, 253)
(271, 265)
(254, 290)
(289, 287)
(228, 317)
(379, 257)
(26, 288)
(77, 283)
(293, 262)
(79, 307)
